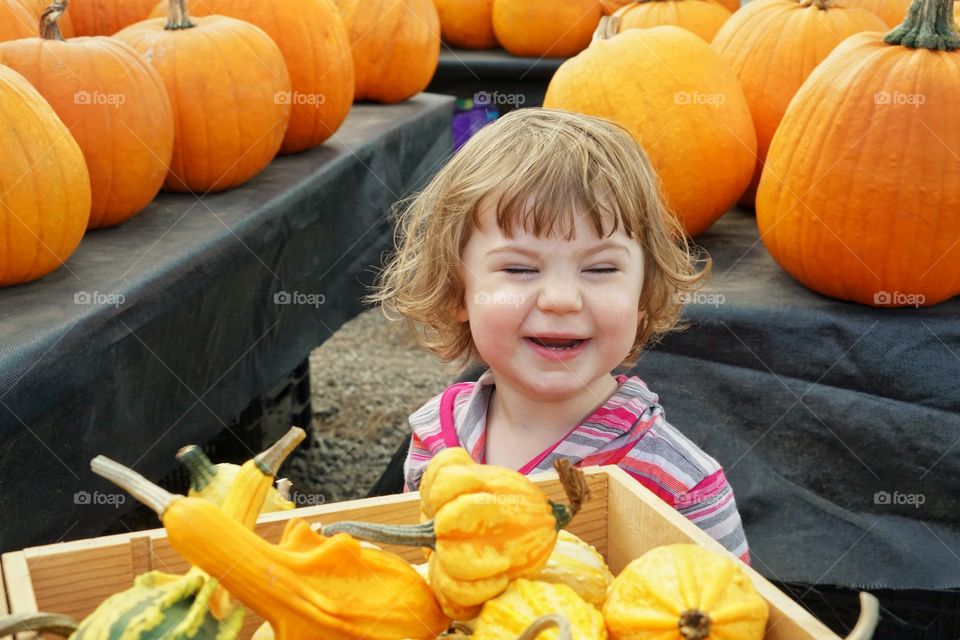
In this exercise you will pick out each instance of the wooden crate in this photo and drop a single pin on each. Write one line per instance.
(622, 520)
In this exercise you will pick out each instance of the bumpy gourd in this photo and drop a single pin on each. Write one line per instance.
(462, 506)
(579, 566)
(507, 615)
(684, 592)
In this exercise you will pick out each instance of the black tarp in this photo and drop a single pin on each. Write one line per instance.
(157, 333)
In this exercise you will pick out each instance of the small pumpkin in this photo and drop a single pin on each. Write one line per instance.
(893, 12)
(461, 502)
(684, 106)
(700, 17)
(65, 22)
(16, 20)
(395, 46)
(115, 105)
(579, 566)
(44, 184)
(106, 17)
(610, 7)
(772, 46)
(545, 28)
(509, 614)
(227, 82)
(685, 592)
(864, 130)
(467, 24)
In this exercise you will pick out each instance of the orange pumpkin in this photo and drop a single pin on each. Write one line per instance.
(65, 22)
(395, 45)
(44, 186)
(860, 196)
(229, 89)
(106, 17)
(116, 107)
(773, 45)
(893, 12)
(697, 16)
(610, 7)
(198, 9)
(16, 21)
(467, 24)
(683, 105)
(545, 28)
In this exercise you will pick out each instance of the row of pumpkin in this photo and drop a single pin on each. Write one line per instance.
(842, 135)
(93, 127)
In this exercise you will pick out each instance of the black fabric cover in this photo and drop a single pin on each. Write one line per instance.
(197, 333)
(814, 407)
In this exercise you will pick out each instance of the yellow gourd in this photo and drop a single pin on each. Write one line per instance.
(579, 566)
(509, 614)
(684, 592)
(213, 481)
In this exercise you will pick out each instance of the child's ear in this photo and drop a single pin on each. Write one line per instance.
(460, 314)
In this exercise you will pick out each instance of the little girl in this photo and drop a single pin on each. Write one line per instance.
(543, 251)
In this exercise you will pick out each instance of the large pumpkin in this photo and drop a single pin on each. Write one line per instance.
(16, 20)
(229, 89)
(116, 107)
(893, 12)
(773, 45)
(395, 44)
(44, 186)
(106, 17)
(65, 22)
(860, 198)
(467, 24)
(610, 7)
(683, 105)
(697, 16)
(545, 28)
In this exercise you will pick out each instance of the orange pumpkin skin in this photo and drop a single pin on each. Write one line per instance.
(198, 9)
(467, 24)
(106, 17)
(684, 107)
(893, 12)
(696, 16)
(117, 109)
(548, 28)
(65, 22)
(860, 198)
(610, 7)
(17, 21)
(226, 80)
(44, 186)
(772, 46)
(395, 45)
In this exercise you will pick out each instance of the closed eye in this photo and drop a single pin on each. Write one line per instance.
(519, 270)
(604, 270)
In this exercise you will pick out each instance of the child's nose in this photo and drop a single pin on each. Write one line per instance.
(559, 295)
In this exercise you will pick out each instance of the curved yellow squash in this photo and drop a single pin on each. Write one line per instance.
(508, 615)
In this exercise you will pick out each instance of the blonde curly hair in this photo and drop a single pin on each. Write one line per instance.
(544, 167)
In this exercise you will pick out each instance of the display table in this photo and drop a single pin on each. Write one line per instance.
(838, 424)
(159, 332)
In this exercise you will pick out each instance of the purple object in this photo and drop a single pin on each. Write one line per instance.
(468, 119)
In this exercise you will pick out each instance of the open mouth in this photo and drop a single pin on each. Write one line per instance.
(557, 344)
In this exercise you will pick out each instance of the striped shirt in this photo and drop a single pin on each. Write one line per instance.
(629, 430)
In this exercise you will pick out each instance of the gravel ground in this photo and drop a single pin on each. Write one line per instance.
(366, 380)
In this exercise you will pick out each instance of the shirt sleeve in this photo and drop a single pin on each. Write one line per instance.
(413, 466)
(711, 506)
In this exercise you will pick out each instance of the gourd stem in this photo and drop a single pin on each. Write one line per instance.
(201, 469)
(574, 484)
(49, 29)
(929, 25)
(694, 625)
(135, 484)
(270, 460)
(609, 26)
(823, 5)
(547, 622)
(869, 616)
(37, 621)
(177, 16)
(413, 535)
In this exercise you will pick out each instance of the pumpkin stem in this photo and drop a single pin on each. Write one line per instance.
(547, 622)
(823, 5)
(574, 484)
(694, 625)
(867, 622)
(410, 535)
(49, 29)
(270, 460)
(177, 16)
(609, 26)
(929, 25)
(135, 484)
(199, 467)
(37, 621)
